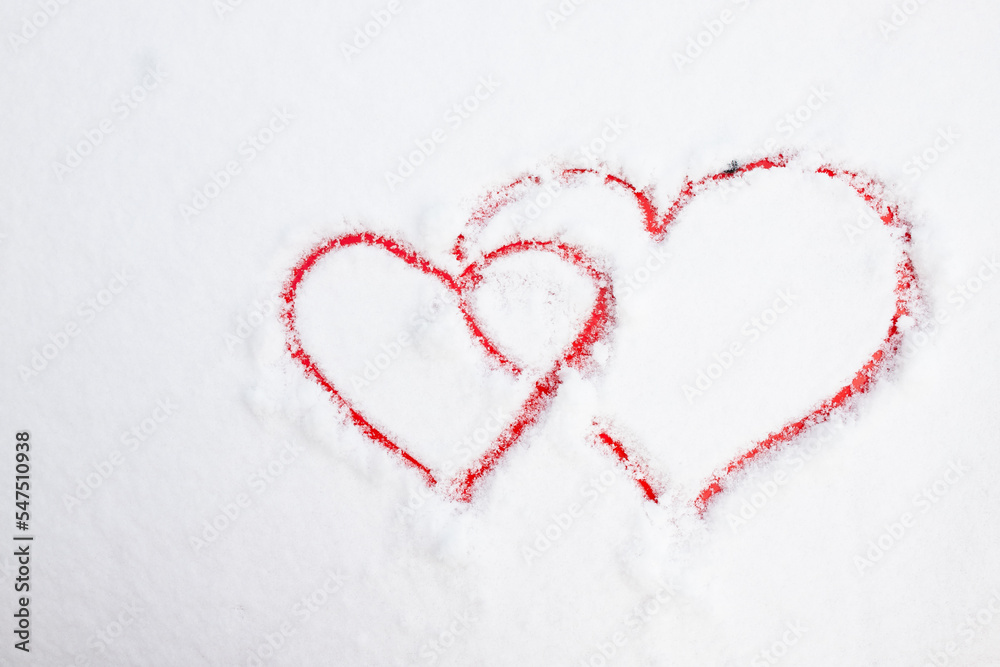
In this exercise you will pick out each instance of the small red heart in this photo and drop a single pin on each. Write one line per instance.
(462, 285)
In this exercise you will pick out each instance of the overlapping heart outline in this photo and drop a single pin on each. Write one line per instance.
(656, 224)
(544, 388)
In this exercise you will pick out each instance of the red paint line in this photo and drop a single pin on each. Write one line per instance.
(633, 467)
(489, 205)
(907, 295)
(543, 392)
(544, 389)
(657, 224)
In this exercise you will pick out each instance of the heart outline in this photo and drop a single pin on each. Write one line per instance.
(576, 354)
(657, 225)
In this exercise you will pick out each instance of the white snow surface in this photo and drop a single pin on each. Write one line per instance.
(196, 499)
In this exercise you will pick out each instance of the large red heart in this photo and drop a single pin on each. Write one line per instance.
(657, 224)
(461, 286)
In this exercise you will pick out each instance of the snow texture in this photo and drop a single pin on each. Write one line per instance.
(198, 499)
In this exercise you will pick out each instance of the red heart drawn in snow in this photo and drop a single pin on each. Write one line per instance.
(657, 224)
(462, 286)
